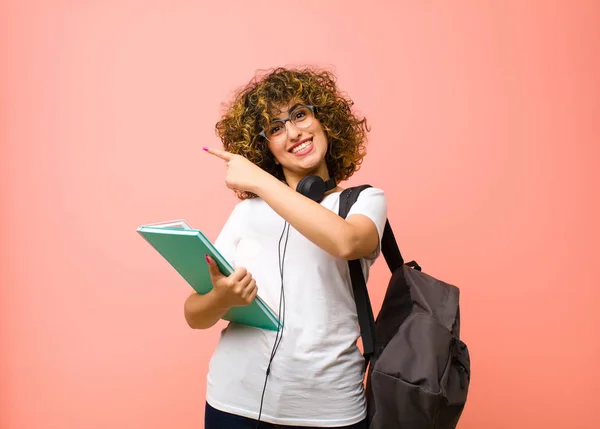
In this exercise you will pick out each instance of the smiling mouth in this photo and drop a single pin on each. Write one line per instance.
(301, 146)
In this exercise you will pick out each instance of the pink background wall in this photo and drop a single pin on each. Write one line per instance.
(485, 119)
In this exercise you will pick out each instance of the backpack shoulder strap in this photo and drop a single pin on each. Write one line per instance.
(393, 258)
(348, 197)
(366, 320)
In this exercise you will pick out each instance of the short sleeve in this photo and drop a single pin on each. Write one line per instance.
(229, 236)
(372, 203)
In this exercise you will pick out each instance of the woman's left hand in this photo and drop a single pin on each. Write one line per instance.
(242, 175)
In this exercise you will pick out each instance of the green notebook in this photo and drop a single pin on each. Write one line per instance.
(184, 248)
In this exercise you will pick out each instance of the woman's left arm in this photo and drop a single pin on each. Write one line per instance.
(351, 238)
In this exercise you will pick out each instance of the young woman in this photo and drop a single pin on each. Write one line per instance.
(284, 127)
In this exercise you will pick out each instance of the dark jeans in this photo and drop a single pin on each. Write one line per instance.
(216, 419)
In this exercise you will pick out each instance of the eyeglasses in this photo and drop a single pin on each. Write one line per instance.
(301, 117)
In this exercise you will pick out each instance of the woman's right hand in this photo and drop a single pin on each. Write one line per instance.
(238, 289)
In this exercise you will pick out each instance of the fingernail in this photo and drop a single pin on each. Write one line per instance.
(207, 260)
(205, 148)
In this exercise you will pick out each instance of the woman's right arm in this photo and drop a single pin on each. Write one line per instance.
(203, 311)
(239, 289)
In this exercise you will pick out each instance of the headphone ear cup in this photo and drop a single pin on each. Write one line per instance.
(312, 187)
(301, 186)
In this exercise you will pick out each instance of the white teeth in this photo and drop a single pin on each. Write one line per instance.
(302, 146)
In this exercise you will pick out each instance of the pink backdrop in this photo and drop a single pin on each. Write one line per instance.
(485, 136)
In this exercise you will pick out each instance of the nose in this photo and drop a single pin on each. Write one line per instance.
(293, 132)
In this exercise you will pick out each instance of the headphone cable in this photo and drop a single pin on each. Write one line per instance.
(278, 337)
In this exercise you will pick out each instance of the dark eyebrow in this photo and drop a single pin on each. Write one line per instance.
(291, 109)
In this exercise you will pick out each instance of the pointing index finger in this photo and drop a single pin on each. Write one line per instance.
(224, 155)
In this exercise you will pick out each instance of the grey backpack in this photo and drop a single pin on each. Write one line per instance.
(418, 369)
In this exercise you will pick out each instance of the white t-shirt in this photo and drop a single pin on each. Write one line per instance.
(316, 376)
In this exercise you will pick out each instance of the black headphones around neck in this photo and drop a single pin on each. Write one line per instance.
(314, 187)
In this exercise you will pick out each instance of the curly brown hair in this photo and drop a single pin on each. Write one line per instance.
(252, 108)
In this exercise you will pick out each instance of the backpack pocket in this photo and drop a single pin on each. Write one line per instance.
(456, 380)
(401, 405)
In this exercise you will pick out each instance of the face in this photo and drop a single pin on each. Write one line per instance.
(302, 151)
